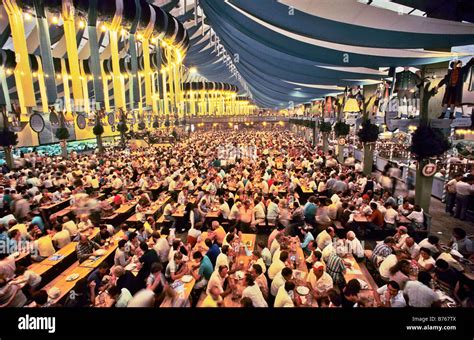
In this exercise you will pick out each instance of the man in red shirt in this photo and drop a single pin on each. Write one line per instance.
(376, 218)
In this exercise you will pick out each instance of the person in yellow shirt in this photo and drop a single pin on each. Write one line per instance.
(43, 248)
(218, 233)
(213, 299)
(18, 226)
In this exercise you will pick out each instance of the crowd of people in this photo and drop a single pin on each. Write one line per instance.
(267, 183)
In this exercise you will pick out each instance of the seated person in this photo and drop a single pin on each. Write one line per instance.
(390, 295)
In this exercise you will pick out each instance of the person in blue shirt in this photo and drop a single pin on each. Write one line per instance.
(96, 276)
(307, 237)
(202, 276)
(310, 209)
(213, 251)
(36, 219)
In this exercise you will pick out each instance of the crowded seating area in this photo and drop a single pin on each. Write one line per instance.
(221, 218)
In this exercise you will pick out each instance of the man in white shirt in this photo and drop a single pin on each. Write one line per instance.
(224, 208)
(259, 211)
(411, 248)
(416, 215)
(279, 280)
(463, 192)
(354, 246)
(217, 280)
(390, 295)
(277, 265)
(318, 280)
(273, 210)
(222, 258)
(325, 237)
(391, 216)
(161, 247)
(284, 295)
(401, 236)
(388, 263)
(253, 292)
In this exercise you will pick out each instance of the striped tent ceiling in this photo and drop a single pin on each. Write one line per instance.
(59, 46)
(294, 51)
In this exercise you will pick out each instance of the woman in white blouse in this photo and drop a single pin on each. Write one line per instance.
(426, 261)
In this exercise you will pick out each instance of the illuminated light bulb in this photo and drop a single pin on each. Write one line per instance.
(58, 76)
(55, 20)
(103, 28)
(153, 40)
(82, 24)
(35, 74)
(28, 16)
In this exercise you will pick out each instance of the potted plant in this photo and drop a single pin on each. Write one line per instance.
(8, 139)
(368, 135)
(426, 143)
(325, 128)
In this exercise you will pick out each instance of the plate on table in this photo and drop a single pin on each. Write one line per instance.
(302, 290)
(100, 252)
(187, 278)
(239, 274)
(72, 277)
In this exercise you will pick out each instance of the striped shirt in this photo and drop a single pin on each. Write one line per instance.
(335, 268)
(381, 250)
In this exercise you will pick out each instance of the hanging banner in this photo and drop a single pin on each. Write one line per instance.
(71, 47)
(94, 60)
(45, 52)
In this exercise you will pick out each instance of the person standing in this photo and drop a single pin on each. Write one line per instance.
(463, 190)
(451, 194)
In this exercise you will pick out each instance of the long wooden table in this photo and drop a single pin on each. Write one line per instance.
(187, 289)
(63, 284)
(152, 210)
(110, 250)
(360, 272)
